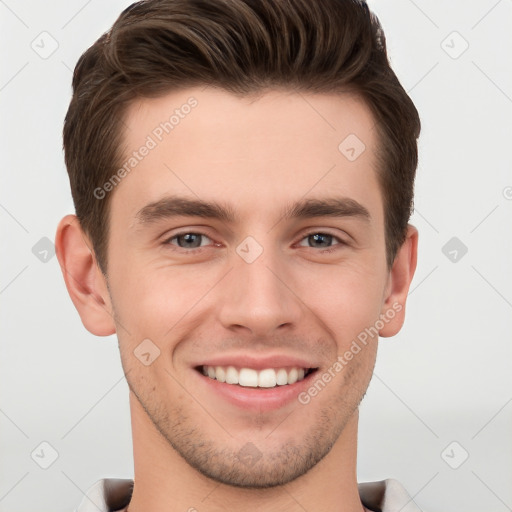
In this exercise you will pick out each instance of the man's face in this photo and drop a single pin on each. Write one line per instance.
(263, 290)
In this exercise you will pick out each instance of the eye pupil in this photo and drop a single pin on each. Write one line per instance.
(189, 238)
(193, 240)
(320, 237)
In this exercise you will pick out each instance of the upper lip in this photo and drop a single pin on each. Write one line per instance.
(259, 362)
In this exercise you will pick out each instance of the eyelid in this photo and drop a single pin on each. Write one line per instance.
(341, 241)
(167, 239)
(321, 231)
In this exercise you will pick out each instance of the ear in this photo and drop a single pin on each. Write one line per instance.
(84, 280)
(399, 280)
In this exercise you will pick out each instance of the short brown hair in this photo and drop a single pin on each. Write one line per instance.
(244, 47)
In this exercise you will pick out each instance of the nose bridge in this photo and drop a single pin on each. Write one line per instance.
(258, 296)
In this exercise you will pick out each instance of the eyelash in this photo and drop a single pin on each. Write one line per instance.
(196, 250)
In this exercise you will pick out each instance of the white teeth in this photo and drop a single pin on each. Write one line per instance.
(281, 377)
(267, 378)
(293, 375)
(248, 377)
(231, 375)
(220, 374)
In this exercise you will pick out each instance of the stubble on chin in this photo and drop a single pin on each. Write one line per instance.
(246, 462)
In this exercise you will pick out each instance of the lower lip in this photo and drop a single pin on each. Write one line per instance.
(257, 399)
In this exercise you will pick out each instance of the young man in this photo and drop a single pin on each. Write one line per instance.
(242, 173)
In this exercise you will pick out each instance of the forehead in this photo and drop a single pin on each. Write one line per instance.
(254, 152)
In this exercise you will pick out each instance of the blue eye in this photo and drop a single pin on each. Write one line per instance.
(187, 240)
(325, 239)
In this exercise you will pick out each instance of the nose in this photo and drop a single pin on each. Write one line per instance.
(258, 297)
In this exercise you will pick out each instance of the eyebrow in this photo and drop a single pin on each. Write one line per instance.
(176, 206)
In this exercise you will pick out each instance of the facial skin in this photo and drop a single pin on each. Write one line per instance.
(255, 156)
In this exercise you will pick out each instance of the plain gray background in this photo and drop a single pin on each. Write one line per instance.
(438, 413)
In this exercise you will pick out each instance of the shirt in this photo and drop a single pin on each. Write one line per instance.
(114, 494)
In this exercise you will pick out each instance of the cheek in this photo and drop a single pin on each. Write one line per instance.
(158, 301)
(347, 300)
(154, 302)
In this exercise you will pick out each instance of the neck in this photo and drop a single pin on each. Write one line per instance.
(164, 481)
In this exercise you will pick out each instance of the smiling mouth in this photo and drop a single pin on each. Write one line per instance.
(251, 378)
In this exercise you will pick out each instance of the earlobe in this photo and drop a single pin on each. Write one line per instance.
(85, 283)
(400, 277)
